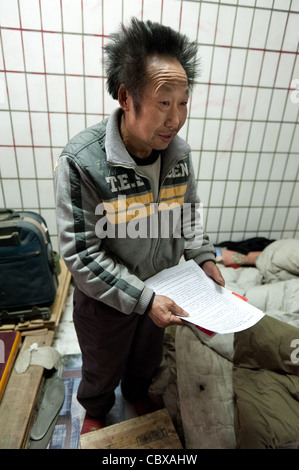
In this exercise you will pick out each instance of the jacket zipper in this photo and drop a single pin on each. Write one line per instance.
(162, 182)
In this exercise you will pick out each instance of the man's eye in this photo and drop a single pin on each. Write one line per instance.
(165, 103)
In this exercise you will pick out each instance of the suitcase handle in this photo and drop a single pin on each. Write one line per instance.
(10, 239)
(9, 235)
(10, 214)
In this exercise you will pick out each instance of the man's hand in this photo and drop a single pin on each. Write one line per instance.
(212, 270)
(164, 312)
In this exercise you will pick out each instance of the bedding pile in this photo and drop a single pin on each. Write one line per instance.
(242, 390)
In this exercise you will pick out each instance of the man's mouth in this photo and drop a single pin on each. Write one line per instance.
(166, 137)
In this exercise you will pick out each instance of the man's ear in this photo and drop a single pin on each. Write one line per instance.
(123, 97)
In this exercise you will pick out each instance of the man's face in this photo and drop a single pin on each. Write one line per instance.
(163, 109)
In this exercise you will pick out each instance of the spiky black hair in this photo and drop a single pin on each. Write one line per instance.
(129, 48)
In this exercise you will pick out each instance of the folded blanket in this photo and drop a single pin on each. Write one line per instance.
(204, 380)
(279, 261)
(266, 385)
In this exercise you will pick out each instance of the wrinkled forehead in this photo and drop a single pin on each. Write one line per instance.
(166, 73)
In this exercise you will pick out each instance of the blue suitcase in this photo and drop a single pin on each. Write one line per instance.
(28, 274)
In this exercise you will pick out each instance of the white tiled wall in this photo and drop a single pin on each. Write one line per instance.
(243, 115)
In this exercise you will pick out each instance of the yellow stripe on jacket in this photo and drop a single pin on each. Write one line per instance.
(124, 209)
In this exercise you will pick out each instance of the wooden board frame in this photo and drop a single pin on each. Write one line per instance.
(20, 397)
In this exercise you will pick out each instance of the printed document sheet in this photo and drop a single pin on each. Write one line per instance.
(209, 305)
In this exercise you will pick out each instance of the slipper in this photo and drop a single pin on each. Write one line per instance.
(50, 405)
(45, 356)
(44, 441)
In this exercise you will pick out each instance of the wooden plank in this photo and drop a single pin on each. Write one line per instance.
(62, 293)
(18, 402)
(151, 431)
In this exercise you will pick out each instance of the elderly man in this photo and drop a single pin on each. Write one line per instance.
(126, 170)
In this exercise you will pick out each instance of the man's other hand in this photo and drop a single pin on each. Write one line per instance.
(212, 270)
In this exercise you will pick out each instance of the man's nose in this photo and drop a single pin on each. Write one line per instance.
(173, 118)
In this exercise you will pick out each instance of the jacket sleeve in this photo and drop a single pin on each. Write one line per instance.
(197, 242)
(96, 273)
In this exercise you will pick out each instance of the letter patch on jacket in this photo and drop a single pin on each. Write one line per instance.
(121, 182)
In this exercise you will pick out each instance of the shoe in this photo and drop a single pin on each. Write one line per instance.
(92, 424)
(146, 406)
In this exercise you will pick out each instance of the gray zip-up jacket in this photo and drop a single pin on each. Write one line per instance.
(112, 234)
